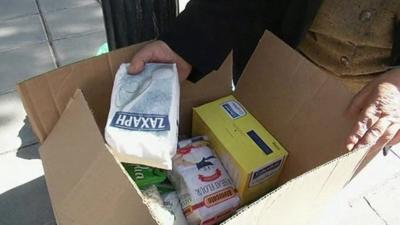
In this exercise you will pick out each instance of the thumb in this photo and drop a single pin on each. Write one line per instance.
(136, 67)
(139, 60)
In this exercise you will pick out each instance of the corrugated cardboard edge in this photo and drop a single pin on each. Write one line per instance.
(87, 168)
(33, 119)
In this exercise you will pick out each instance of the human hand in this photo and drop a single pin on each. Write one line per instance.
(159, 52)
(378, 109)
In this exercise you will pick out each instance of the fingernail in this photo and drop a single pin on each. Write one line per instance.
(350, 147)
(353, 138)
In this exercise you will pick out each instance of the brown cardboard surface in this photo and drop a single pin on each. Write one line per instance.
(45, 97)
(86, 184)
(298, 103)
(213, 86)
(69, 160)
(302, 199)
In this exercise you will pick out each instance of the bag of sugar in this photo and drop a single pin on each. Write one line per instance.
(142, 124)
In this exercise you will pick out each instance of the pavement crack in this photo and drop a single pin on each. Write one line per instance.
(21, 148)
(375, 211)
(48, 34)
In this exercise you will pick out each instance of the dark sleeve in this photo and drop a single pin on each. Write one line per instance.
(203, 34)
(395, 58)
(207, 30)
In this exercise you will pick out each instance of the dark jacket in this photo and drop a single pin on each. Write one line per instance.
(207, 30)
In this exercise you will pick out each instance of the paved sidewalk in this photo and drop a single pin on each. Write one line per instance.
(35, 36)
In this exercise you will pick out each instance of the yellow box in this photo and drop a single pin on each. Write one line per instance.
(250, 154)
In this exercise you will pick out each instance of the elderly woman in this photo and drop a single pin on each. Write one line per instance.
(356, 40)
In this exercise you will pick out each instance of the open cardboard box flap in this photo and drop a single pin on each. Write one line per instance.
(85, 181)
(297, 102)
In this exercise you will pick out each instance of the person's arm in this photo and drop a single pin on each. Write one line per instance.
(198, 42)
(395, 58)
(203, 34)
(378, 107)
(206, 31)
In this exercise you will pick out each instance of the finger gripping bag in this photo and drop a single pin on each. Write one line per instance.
(205, 190)
(142, 124)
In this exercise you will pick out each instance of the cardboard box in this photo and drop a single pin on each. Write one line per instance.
(300, 104)
(252, 157)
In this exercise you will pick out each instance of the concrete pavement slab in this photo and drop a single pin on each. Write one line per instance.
(52, 5)
(24, 199)
(21, 31)
(19, 167)
(74, 22)
(15, 8)
(27, 204)
(77, 48)
(15, 129)
(21, 63)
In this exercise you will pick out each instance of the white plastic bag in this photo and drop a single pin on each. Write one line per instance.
(171, 202)
(153, 200)
(142, 125)
(166, 209)
(204, 188)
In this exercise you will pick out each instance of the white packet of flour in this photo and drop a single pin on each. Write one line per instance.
(142, 124)
(205, 190)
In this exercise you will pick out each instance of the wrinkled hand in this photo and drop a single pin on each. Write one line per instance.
(159, 52)
(378, 109)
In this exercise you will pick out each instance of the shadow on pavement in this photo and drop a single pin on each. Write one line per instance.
(25, 134)
(29, 152)
(27, 204)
